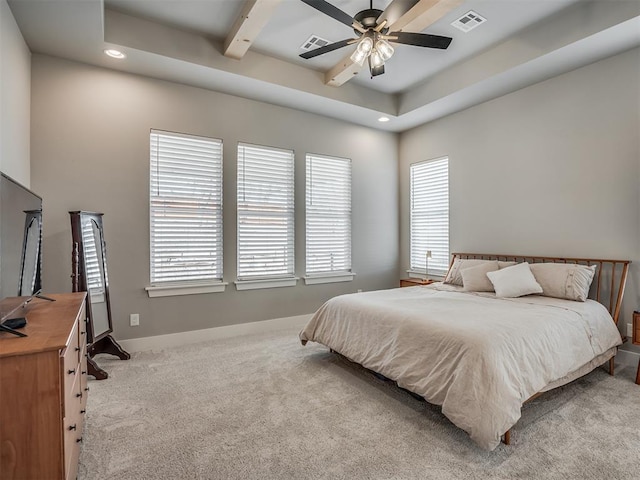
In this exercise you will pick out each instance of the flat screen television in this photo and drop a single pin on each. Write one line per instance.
(20, 243)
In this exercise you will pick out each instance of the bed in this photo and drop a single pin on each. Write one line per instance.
(479, 355)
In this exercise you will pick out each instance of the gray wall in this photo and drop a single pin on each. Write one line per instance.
(15, 99)
(553, 169)
(90, 151)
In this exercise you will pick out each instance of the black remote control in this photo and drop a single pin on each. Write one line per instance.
(14, 323)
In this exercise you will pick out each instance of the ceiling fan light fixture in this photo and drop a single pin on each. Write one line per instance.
(358, 57)
(385, 49)
(366, 45)
(363, 50)
(373, 31)
(376, 59)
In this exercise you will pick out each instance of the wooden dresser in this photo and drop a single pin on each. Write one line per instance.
(43, 391)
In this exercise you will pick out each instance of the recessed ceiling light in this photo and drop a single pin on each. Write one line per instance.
(114, 53)
(383, 119)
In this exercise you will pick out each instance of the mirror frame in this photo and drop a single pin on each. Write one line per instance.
(30, 217)
(79, 283)
(103, 342)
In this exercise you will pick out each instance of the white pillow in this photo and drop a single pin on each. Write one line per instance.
(474, 279)
(454, 276)
(564, 280)
(514, 281)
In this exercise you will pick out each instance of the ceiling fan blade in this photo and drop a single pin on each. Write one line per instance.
(395, 10)
(419, 39)
(328, 48)
(333, 12)
(375, 71)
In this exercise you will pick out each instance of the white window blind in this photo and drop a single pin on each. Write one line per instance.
(328, 215)
(93, 273)
(430, 216)
(265, 213)
(185, 208)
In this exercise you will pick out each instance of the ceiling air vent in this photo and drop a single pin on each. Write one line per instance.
(314, 42)
(468, 21)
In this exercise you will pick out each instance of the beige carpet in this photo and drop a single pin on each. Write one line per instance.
(264, 407)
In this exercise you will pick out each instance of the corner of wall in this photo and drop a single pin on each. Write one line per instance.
(15, 99)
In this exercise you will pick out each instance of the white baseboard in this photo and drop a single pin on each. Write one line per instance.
(626, 357)
(195, 336)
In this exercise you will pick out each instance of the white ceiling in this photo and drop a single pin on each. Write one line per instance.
(522, 42)
(294, 21)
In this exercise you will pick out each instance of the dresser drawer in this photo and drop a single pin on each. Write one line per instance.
(84, 377)
(72, 470)
(636, 328)
(71, 358)
(73, 423)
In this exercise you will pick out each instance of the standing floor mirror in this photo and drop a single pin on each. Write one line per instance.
(89, 273)
(30, 263)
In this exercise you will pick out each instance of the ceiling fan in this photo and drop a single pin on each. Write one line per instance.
(373, 37)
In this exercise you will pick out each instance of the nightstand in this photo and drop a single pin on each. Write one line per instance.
(636, 338)
(412, 282)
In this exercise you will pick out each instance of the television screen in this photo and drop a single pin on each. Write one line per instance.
(20, 241)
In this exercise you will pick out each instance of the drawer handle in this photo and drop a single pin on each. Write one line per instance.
(71, 372)
(86, 389)
(77, 349)
(83, 411)
(84, 372)
(72, 427)
(82, 333)
(78, 395)
(79, 440)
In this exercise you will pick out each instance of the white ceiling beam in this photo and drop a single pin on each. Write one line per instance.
(423, 14)
(254, 16)
(342, 72)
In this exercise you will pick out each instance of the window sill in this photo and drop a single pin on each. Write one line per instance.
(187, 289)
(329, 278)
(266, 283)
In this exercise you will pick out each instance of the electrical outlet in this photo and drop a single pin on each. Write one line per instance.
(134, 319)
(629, 330)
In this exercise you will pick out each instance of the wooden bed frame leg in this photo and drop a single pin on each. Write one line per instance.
(507, 437)
(612, 365)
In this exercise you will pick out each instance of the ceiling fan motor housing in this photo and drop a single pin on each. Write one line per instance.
(368, 19)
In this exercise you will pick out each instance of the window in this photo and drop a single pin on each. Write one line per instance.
(185, 212)
(430, 216)
(328, 219)
(265, 217)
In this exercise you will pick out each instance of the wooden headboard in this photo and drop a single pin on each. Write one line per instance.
(607, 287)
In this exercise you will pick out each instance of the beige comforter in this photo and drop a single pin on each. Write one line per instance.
(478, 356)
